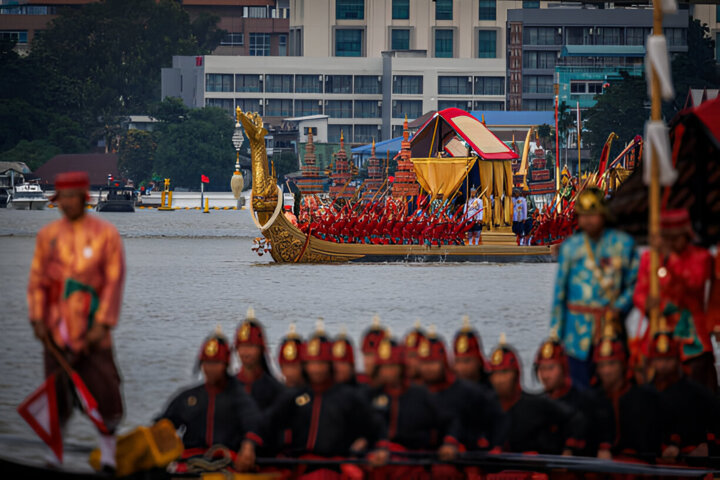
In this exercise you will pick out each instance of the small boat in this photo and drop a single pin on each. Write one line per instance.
(114, 198)
(27, 196)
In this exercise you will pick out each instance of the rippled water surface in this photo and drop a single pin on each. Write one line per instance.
(188, 272)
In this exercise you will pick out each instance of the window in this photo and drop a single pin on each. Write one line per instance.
(18, 36)
(368, 84)
(411, 108)
(443, 9)
(27, 10)
(443, 43)
(399, 39)
(538, 105)
(255, 12)
(215, 82)
(675, 37)
(348, 42)
(367, 109)
(400, 9)
(538, 84)
(489, 106)
(334, 132)
(232, 39)
(489, 85)
(578, 36)
(308, 107)
(248, 83)
(455, 85)
(408, 84)
(717, 47)
(250, 105)
(338, 84)
(282, 45)
(307, 130)
(531, 4)
(487, 44)
(717, 15)
(541, 36)
(578, 87)
(279, 107)
(581, 88)
(594, 87)
(339, 108)
(366, 133)
(308, 83)
(224, 103)
(259, 44)
(279, 83)
(461, 104)
(349, 9)
(636, 36)
(610, 36)
(397, 131)
(487, 10)
(539, 59)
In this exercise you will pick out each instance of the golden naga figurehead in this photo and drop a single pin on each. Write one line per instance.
(264, 185)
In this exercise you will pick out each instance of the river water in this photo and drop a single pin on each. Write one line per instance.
(188, 272)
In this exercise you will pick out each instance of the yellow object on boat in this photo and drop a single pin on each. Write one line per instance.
(442, 176)
(143, 449)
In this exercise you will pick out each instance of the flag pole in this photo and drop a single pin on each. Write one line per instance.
(579, 129)
(654, 193)
(557, 148)
(202, 193)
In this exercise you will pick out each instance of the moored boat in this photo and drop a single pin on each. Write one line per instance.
(27, 196)
(116, 199)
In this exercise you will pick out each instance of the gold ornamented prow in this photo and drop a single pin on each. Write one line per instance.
(264, 186)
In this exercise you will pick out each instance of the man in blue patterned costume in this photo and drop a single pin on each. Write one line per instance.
(597, 270)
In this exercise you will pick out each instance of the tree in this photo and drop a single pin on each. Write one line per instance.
(545, 133)
(34, 153)
(286, 162)
(201, 144)
(136, 155)
(620, 109)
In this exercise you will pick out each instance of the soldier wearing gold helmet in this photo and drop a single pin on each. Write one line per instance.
(597, 270)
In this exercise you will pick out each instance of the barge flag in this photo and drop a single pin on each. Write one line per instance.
(204, 179)
(40, 411)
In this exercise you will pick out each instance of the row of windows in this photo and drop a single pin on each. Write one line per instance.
(258, 83)
(349, 42)
(17, 36)
(538, 84)
(467, 105)
(27, 10)
(265, 12)
(598, 36)
(464, 85)
(355, 9)
(590, 88)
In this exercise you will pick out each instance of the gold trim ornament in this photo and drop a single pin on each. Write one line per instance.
(290, 351)
(384, 350)
(497, 357)
(547, 350)
(381, 401)
(411, 340)
(606, 348)
(212, 347)
(302, 400)
(462, 345)
(314, 347)
(244, 333)
(339, 349)
(424, 348)
(192, 401)
(663, 344)
(662, 272)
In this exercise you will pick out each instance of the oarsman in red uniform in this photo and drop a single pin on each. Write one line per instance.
(483, 425)
(637, 434)
(537, 424)
(411, 416)
(469, 363)
(343, 358)
(689, 413)
(217, 412)
(412, 362)
(74, 296)
(551, 367)
(370, 342)
(289, 359)
(324, 419)
(685, 271)
(255, 375)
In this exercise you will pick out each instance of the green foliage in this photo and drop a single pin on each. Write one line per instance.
(199, 144)
(136, 155)
(33, 153)
(286, 162)
(170, 110)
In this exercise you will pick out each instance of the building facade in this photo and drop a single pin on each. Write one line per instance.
(578, 49)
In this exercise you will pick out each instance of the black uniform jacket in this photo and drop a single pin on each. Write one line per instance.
(264, 390)
(323, 423)
(596, 430)
(210, 417)
(540, 424)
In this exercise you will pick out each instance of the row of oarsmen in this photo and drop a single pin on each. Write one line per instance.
(412, 399)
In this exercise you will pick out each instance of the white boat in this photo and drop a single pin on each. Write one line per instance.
(27, 196)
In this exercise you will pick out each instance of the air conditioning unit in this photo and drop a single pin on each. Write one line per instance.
(320, 102)
(379, 78)
(260, 77)
(379, 103)
(320, 77)
(469, 104)
(469, 79)
(559, 30)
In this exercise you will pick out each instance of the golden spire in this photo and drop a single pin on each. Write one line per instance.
(554, 334)
(343, 331)
(376, 322)
(417, 325)
(218, 330)
(250, 315)
(466, 323)
(320, 326)
(503, 339)
(292, 331)
(432, 332)
(609, 331)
